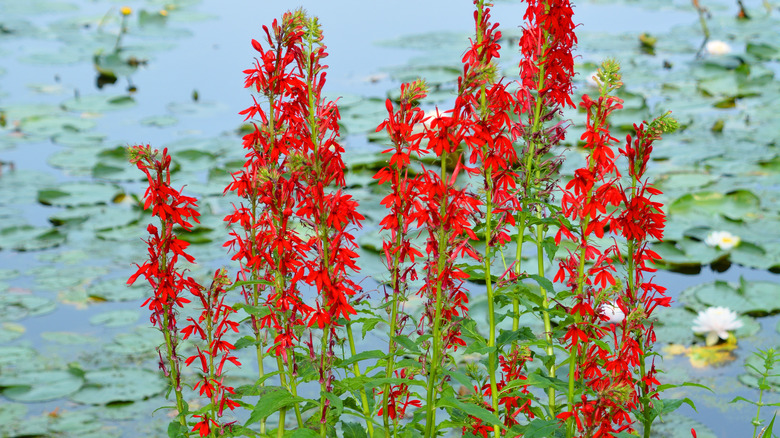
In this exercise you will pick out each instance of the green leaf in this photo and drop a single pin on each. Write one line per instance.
(539, 428)
(353, 430)
(176, 430)
(304, 433)
(462, 378)
(369, 324)
(335, 402)
(273, 400)
(471, 409)
(506, 337)
(542, 382)
(244, 341)
(372, 354)
(407, 343)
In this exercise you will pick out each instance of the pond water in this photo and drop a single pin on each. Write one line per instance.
(68, 241)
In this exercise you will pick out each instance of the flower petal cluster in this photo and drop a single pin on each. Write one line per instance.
(717, 47)
(716, 322)
(612, 313)
(722, 239)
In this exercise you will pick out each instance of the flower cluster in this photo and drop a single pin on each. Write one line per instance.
(293, 164)
(166, 279)
(212, 324)
(404, 204)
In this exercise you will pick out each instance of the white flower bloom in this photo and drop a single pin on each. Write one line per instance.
(715, 322)
(590, 80)
(716, 47)
(722, 239)
(613, 312)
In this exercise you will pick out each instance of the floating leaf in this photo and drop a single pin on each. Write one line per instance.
(159, 121)
(115, 318)
(39, 386)
(68, 338)
(14, 307)
(78, 193)
(98, 103)
(751, 297)
(119, 385)
(739, 204)
(10, 331)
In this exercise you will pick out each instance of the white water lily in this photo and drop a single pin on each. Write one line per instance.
(722, 239)
(717, 47)
(716, 322)
(613, 312)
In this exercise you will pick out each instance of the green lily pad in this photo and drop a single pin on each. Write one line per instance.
(197, 109)
(116, 318)
(159, 121)
(97, 218)
(751, 297)
(14, 307)
(68, 338)
(39, 386)
(687, 252)
(14, 356)
(78, 193)
(10, 331)
(29, 238)
(54, 125)
(739, 204)
(143, 341)
(10, 413)
(97, 103)
(118, 290)
(119, 385)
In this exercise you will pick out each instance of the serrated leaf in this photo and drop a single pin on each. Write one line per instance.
(473, 410)
(353, 430)
(270, 402)
(407, 343)
(372, 354)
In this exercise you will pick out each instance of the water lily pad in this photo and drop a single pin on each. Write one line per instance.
(143, 341)
(29, 238)
(40, 385)
(739, 204)
(14, 307)
(82, 140)
(10, 331)
(159, 121)
(78, 193)
(751, 297)
(119, 385)
(10, 413)
(118, 290)
(97, 103)
(53, 125)
(677, 426)
(116, 318)
(97, 218)
(68, 338)
(197, 109)
(15, 356)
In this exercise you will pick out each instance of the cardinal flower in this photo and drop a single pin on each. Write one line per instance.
(715, 322)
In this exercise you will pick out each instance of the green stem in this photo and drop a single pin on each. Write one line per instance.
(174, 376)
(356, 369)
(174, 370)
(433, 366)
(390, 363)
